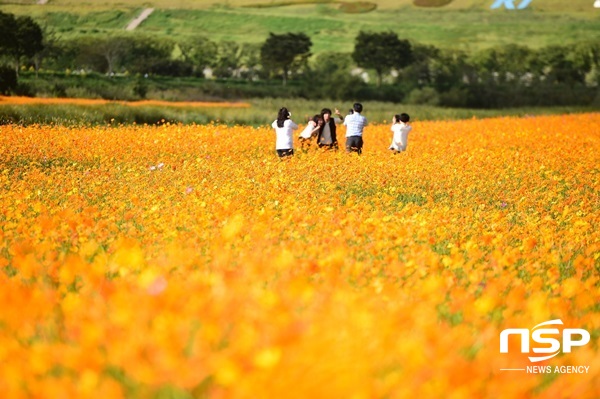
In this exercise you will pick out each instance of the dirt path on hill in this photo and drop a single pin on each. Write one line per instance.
(136, 22)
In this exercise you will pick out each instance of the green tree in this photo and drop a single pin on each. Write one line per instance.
(8, 27)
(332, 63)
(382, 52)
(79, 53)
(200, 52)
(8, 80)
(285, 53)
(113, 49)
(332, 77)
(250, 60)
(586, 57)
(49, 49)
(420, 72)
(558, 66)
(229, 59)
(146, 52)
(20, 38)
(451, 69)
(503, 62)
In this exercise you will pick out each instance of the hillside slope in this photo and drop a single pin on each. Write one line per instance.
(466, 24)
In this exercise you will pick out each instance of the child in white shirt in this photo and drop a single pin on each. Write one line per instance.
(401, 128)
(310, 131)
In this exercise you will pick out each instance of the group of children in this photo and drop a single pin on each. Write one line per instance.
(323, 129)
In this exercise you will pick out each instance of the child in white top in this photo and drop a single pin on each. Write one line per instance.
(284, 129)
(401, 128)
(312, 127)
(311, 130)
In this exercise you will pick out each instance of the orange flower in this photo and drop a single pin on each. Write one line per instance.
(138, 261)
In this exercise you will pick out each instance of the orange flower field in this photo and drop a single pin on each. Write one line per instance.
(187, 261)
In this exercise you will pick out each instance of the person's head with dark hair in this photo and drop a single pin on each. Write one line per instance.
(396, 118)
(282, 116)
(326, 114)
(351, 111)
(357, 107)
(404, 118)
(318, 119)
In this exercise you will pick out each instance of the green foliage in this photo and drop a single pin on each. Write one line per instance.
(229, 60)
(143, 52)
(20, 37)
(113, 49)
(333, 63)
(28, 37)
(8, 27)
(8, 80)
(511, 57)
(49, 48)
(285, 52)
(81, 53)
(200, 51)
(586, 55)
(560, 68)
(381, 52)
(331, 77)
(250, 55)
(425, 96)
(499, 76)
(467, 25)
(175, 68)
(449, 68)
(457, 97)
(112, 54)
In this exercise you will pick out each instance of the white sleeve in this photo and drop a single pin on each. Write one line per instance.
(403, 135)
(396, 138)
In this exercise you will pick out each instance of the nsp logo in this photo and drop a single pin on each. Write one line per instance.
(570, 337)
(509, 4)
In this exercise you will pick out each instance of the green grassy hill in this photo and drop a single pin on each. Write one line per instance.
(538, 5)
(466, 24)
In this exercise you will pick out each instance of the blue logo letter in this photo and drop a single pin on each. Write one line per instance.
(509, 4)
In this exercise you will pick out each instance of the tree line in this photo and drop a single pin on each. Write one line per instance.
(382, 66)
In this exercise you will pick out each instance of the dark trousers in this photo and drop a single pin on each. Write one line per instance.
(285, 153)
(332, 146)
(354, 144)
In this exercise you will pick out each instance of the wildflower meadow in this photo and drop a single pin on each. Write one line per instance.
(188, 261)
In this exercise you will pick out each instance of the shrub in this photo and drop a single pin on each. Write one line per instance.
(25, 89)
(176, 68)
(8, 80)
(79, 92)
(455, 97)
(424, 96)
